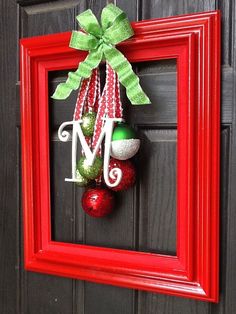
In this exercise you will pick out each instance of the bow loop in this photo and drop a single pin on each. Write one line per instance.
(110, 14)
(115, 24)
(89, 23)
(82, 41)
(119, 32)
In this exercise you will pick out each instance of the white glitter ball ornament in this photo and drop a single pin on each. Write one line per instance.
(124, 149)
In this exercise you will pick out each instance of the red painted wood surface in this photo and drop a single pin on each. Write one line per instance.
(194, 41)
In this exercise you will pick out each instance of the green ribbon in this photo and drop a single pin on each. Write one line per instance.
(100, 42)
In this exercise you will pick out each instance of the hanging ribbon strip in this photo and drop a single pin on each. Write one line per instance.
(102, 103)
(100, 42)
(93, 92)
(119, 109)
(88, 95)
(81, 100)
(87, 98)
(110, 105)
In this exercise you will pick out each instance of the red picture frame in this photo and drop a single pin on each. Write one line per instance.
(194, 41)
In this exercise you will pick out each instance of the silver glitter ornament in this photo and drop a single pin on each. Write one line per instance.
(124, 149)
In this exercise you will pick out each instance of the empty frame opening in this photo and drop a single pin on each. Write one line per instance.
(144, 217)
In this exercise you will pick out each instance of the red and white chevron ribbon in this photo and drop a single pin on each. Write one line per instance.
(87, 95)
(92, 91)
(81, 99)
(109, 104)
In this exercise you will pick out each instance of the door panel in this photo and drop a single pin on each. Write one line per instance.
(145, 217)
(157, 209)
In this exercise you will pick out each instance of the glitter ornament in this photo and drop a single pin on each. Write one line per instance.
(122, 132)
(124, 143)
(128, 173)
(80, 180)
(124, 149)
(88, 123)
(98, 202)
(90, 171)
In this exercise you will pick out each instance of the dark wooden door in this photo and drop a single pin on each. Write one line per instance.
(145, 217)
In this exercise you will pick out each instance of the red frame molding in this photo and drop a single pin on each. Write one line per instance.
(194, 40)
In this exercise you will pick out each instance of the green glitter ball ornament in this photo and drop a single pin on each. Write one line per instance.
(82, 181)
(88, 123)
(90, 171)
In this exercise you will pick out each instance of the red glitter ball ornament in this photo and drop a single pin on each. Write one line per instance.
(98, 202)
(128, 174)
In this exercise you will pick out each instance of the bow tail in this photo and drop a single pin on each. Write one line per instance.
(126, 76)
(84, 70)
